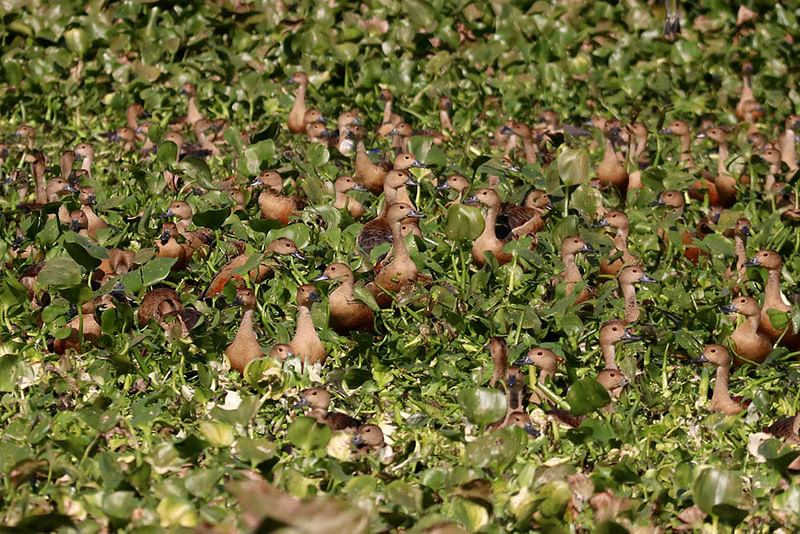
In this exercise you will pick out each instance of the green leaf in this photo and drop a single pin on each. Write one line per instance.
(716, 486)
(120, 504)
(156, 270)
(197, 169)
(366, 297)
(77, 40)
(202, 482)
(586, 395)
(167, 153)
(256, 450)
(61, 272)
(482, 405)
(573, 166)
(83, 251)
(305, 433)
(318, 154)
(779, 319)
(211, 218)
(463, 222)
(216, 433)
(496, 449)
(257, 155)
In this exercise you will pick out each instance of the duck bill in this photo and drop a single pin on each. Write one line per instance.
(647, 279)
(512, 381)
(471, 200)
(701, 135)
(658, 202)
(314, 297)
(442, 187)
(752, 263)
(523, 361)
(419, 165)
(665, 131)
(700, 359)
(589, 249)
(301, 404)
(730, 308)
(166, 214)
(628, 336)
(746, 231)
(359, 187)
(602, 223)
(358, 441)
(297, 254)
(255, 183)
(415, 214)
(505, 130)
(165, 237)
(531, 431)
(237, 301)
(411, 181)
(321, 278)
(75, 225)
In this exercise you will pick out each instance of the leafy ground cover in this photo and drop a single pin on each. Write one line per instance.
(146, 432)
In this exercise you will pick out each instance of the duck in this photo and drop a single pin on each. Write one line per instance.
(401, 273)
(281, 352)
(370, 175)
(306, 343)
(347, 313)
(296, 115)
(787, 142)
(516, 418)
(672, 23)
(725, 183)
(164, 303)
(619, 221)
(750, 345)
(83, 329)
(747, 97)
(343, 201)
(445, 107)
(546, 361)
(740, 232)
(787, 429)
(524, 132)
(38, 168)
(368, 438)
(167, 246)
(681, 129)
(273, 204)
(193, 114)
(118, 262)
(400, 135)
(245, 347)
(721, 400)
(457, 183)
(627, 278)
(79, 223)
(612, 380)
(488, 240)
(378, 230)
(498, 349)
(28, 134)
(200, 128)
(132, 114)
(774, 159)
(611, 171)
(522, 220)
(509, 376)
(200, 240)
(85, 151)
(95, 222)
(317, 133)
(774, 299)
(388, 116)
(279, 247)
(611, 333)
(319, 400)
(571, 275)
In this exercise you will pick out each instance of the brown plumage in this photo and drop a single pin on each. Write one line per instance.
(279, 247)
(627, 278)
(611, 171)
(571, 275)
(612, 380)
(297, 114)
(347, 313)
(611, 333)
(272, 202)
(749, 344)
(488, 241)
(306, 343)
(773, 299)
(401, 273)
(319, 400)
(619, 221)
(378, 230)
(368, 437)
(721, 400)
(342, 185)
(245, 347)
(89, 330)
(546, 361)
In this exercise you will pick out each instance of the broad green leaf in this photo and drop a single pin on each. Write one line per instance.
(156, 270)
(482, 405)
(60, 272)
(176, 512)
(305, 433)
(779, 319)
(256, 450)
(83, 251)
(463, 222)
(216, 433)
(197, 169)
(211, 218)
(713, 487)
(586, 395)
(167, 153)
(573, 166)
(317, 154)
(258, 156)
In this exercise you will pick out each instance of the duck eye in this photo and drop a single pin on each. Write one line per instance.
(368, 430)
(614, 329)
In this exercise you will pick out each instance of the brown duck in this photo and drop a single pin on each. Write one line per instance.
(245, 346)
(571, 275)
(619, 221)
(85, 327)
(319, 400)
(546, 361)
(457, 183)
(347, 313)
(612, 380)
(401, 273)
(611, 171)
(488, 241)
(297, 114)
(721, 400)
(343, 201)
(612, 333)
(750, 345)
(280, 247)
(306, 343)
(628, 277)
(773, 299)
(368, 437)
(378, 230)
(272, 202)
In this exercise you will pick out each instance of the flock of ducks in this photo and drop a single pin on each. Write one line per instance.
(396, 280)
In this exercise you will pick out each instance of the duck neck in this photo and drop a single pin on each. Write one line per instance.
(609, 355)
(399, 249)
(610, 155)
(788, 149)
(132, 119)
(531, 150)
(723, 155)
(631, 306)
(193, 113)
(686, 147)
(621, 239)
(246, 326)
(721, 393)
(740, 249)
(39, 182)
(305, 326)
(571, 272)
(299, 106)
(772, 291)
(751, 324)
(444, 118)
(545, 373)
(387, 112)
